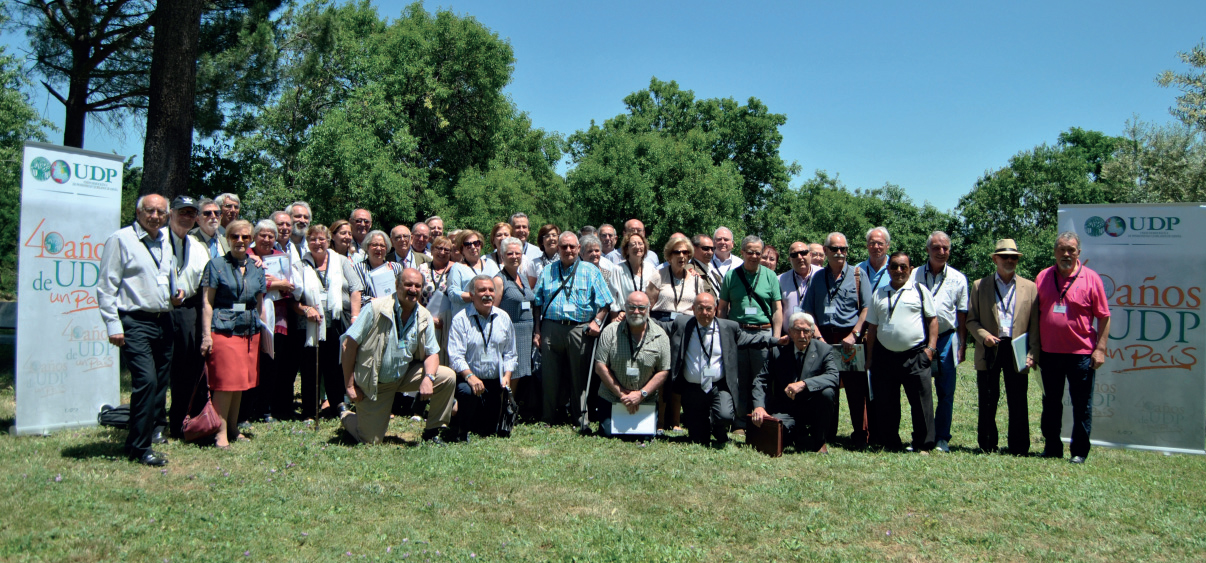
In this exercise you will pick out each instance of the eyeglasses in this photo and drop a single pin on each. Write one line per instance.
(1011, 257)
(638, 308)
(568, 246)
(240, 237)
(799, 254)
(898, 267)
(707, 248)
(211, 213)
(838, 249)
(474, 243)
(752, 252)
(362, 221)
(681, 252)
(441, 249)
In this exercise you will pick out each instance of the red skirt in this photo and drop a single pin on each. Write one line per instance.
(234, 363)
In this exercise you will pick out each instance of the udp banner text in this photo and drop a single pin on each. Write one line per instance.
(66, 368)
(1151, 392)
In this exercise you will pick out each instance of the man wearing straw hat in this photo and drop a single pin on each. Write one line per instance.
(1001, 311)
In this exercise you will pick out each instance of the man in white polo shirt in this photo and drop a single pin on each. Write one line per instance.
(902, 331)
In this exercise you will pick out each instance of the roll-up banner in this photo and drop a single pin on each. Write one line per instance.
(65, 367)
(1151, 392)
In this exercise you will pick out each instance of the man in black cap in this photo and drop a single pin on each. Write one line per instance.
(191, 257)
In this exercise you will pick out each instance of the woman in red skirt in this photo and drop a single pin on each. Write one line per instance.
(232, 309)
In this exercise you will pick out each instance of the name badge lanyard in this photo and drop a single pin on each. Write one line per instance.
(438, 280)
(1009, 299)
(891, 305)
(706, 360)
(829, 285)
(930, 285)
(321, 274)
(800, 288)
(487, 333)
(635, 348)
(184, 245)
(683, 288)
(1064, 293)
(632, 277)
(567, 281)
(157, 261)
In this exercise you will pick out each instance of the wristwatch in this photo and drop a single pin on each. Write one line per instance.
(430, 376)
(644, 394)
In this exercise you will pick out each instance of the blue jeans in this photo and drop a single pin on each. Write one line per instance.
(1078, 370)
(943, 371)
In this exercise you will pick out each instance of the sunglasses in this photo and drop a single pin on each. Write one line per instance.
(1012, 257)
(707, 248)
(210, 213)
(186, 212)
(838, 249)
(680, 252)
(240, 237)
(638, 308)
(568, 246)
(363, 221)
(799, 254)
(475, 243)
(898, 267)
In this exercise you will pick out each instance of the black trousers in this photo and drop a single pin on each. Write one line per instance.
(749, 363)
(890, 371)
(148, 354)
(988, 385)
(186, 367)
(806, 421)
(478, 414)
(707, 414)
(290, 351)
(257, 401)
(1077, 370)
(328, 367)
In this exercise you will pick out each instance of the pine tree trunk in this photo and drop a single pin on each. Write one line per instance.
(169, 145)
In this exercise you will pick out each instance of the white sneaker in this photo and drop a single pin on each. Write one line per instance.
(943, 446)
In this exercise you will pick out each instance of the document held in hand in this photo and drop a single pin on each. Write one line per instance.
(644, 422)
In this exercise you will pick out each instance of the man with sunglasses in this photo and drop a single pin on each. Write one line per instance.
(1003, 308)
(794, 282)
(949, 289)
(191, 258)
(208, 229)
(837, 298)
(702, 261)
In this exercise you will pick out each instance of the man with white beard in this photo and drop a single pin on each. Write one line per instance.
(632, 359)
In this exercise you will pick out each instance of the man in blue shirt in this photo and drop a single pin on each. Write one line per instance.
(481, 349)
(571, 306)
(876, 264)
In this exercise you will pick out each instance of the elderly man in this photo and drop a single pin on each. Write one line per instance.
(949, 289)
(520, 229)
(230, 205)
(420, 239)
(798, 385)
(1070, 298)
(632, 359)
(607, 236)
(402, 252)
(902, 332)
(208, 229)
(481, 349)
(878, 242)
(816, 254)
(362, 223)
(571, 305)
(190, 259)
(701, 260)
(135, 295)
(284, 228)
(591, 250)
(299, 211)
(704, 368)
(436, 225)
(393, 348)
(837, 298)
(1003, 308)
(750, 297)
(793, 284)
(723, 260)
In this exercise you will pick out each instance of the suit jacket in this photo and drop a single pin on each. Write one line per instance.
(731, 338)
(419, 258)
(223, 244)
(982, 316)
(819, 372)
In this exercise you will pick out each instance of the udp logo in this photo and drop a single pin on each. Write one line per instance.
(1095, 226)
(43, 169)
(1115, 226)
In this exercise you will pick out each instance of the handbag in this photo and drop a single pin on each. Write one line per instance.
(207, 423)
(508, 414)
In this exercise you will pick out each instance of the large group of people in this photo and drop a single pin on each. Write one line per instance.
(584, 328)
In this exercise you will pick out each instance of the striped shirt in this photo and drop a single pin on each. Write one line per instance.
(468, 348)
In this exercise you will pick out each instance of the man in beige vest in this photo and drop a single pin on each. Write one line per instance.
(393, 348)
(1001, 310)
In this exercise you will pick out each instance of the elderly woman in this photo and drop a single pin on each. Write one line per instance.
(497, 234)
(516, 300)
(264, 399)
(635, 273)
(376, 246)
(329, 303)
(547, 237)
(677, 283)
(469, 242)
(232, 307)
(591, 251)
(341, 238)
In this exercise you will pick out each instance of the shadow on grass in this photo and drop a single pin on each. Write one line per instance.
(106, 449)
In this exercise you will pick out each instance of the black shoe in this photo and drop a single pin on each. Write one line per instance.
(585, 430)
(151, 458)
(340, 409)
(1077, 459)
(157, 436)
(433, 437)
(268, 419)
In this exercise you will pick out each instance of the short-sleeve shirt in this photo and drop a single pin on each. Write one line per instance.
(877, 276)
(1070, 332)
(585, 292)
(619, 352)
(899, 315)
(397, 355)
(743, 307)
(834, 302)
(949, 289)
(231, 289)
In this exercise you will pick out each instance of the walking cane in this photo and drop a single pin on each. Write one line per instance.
(317, 384)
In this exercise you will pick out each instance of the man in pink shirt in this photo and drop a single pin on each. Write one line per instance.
(1070, 297)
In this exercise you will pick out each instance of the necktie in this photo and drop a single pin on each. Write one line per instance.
(213, 247)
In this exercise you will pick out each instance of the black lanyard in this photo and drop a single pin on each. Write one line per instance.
(566, 279)
(480, 263)
(322, 274)
(1011, 292)
(477, 321)
(832, 291)
(679, 295)
(143, 240)
(706, 352)
(929, 285)
(799, 289)
(184, 245)
(892, 306)
(875, 276)
(707, 272)
(635, 348)
(1064, 293)
(438, 280)
(240, 277)
(632, 277)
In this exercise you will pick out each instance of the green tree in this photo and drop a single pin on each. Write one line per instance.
(1158, 163)
(1191, 104)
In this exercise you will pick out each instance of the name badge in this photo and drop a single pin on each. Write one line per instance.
(830, 309)
(711, 373)
(1060, 309)
(162, 279)
(751, 310)
(673, 316)
(322, 300)
(525, 306)
(567, 308)
(239, 306)
(634, 372)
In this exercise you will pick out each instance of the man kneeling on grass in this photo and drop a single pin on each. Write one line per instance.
(799, 385)
(393, 348)
(481, 349)
(632, 359)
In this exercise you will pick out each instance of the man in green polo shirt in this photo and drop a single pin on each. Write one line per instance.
(750, 296)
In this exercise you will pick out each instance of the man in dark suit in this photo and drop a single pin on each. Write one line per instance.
(703, 368)
(798, 386)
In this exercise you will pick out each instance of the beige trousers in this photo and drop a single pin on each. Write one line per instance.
(371, 419)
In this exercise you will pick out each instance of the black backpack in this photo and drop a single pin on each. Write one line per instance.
(114, 417)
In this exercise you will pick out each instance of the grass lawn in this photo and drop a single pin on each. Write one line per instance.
(293, 494)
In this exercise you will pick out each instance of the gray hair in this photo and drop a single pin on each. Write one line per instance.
(300, 204)
(477, 278)
(221, 199)
(282, 212)
(353, 213)
(416, 225)
(1068, 235)
(377, 233)
(433, 218)
(607, 226)
(567, 234)
(801, 316)
(750, 239)
(590, 240)
(829, 238)
(518, 215)
(509, 241)
(937, 235)
(138, 204)
(261, 225)
(200, 204)
(887, 237)
(722, 228)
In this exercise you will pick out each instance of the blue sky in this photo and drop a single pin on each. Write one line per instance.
(927, 95)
